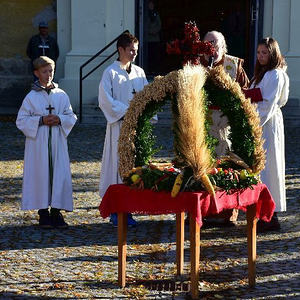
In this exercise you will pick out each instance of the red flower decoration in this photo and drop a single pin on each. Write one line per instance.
(191, 47)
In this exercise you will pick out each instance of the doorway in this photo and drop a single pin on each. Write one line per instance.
(234, 18)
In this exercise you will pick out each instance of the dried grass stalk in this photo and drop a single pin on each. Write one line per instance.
(190, 127)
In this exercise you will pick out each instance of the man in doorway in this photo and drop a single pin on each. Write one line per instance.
(120, 81)
(42, 44)
(220, 128)
(153, 38)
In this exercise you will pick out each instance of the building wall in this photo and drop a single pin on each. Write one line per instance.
(281, 21)
(85, 27)
(19, 21)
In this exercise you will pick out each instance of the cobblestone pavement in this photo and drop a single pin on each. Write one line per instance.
(81, 262)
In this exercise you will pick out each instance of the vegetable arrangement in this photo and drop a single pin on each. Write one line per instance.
(226, 175)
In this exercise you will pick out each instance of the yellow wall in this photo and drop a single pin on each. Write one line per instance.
(16, 23)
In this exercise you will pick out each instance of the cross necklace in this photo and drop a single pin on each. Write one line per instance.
(133, 89)
(128, 72)
(50, 108)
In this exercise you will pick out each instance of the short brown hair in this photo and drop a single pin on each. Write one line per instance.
(42, 61)
(276, 59)
(126, 39)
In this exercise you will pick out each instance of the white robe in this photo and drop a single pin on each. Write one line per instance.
(115, 93)
(275, 90)
(36, 192)
(220, 128)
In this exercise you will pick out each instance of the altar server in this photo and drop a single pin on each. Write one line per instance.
(271, 77)
(46, 119)
(120, 81)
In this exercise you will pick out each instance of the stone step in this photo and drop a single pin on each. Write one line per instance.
(291, 113)
(92, 114)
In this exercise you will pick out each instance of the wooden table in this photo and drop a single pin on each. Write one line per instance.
(260, 205)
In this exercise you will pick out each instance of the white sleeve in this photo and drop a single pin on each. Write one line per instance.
(271, 92)
(113, 109)
(285, 92)
(27, 121)
(67, 118)
(145, 78)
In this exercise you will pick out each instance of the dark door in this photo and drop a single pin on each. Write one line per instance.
(256, 30)
(163, 21)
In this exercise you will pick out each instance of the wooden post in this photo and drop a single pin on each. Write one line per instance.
(122, 248)
(180, 242)
(195, 255)
(251, 237)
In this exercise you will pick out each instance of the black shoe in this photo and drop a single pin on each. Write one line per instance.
(45, 220)
(273, 225)
(58, 219)
(228, 223)
(217, 223)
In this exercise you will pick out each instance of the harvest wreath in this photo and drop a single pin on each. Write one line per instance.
(191, 91)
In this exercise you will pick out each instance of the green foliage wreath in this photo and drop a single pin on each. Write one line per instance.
(137, 142)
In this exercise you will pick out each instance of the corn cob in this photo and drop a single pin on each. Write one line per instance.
(160, 166)
(207, 184)
(177, 185)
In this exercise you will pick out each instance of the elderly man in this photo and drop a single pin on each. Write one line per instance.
(220, 128)
(232, 65)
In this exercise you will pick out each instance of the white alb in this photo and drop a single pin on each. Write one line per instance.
(37, 193)
(275, 90)
(116, 90)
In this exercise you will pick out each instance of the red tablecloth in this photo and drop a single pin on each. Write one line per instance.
(122, 198)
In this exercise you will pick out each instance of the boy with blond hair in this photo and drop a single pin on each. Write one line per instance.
(46, 118)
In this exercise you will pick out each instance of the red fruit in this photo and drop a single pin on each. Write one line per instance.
(214, 171)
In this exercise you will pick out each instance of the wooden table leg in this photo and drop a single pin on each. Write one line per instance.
(122, 248)
(251, 237)
(180, 242)
(195, 256)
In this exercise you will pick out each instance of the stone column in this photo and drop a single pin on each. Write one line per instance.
(84, 28)
(281, 21)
